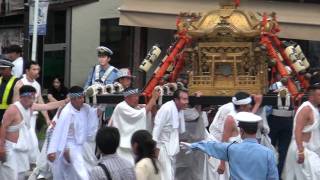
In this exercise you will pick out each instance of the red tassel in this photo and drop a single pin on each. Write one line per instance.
(237, 2)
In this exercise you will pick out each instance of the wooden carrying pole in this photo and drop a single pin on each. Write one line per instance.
(162, 70)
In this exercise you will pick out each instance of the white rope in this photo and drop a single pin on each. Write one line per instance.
(160, 89)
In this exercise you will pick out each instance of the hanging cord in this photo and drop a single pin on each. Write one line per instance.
(228, 156)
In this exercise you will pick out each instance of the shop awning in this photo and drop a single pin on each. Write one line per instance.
(297, 20)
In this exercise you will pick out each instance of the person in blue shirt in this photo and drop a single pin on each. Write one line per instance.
(248, 160)
(103, 73)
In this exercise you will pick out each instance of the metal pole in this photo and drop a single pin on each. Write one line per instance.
(35, 30)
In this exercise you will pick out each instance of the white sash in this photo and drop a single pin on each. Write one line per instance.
(26, 113)
(105, 75)
(23, 143)
(287, 102)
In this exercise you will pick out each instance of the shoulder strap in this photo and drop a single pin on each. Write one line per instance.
(19, 106)
(92, 75)
(106, 171)
(228, 155)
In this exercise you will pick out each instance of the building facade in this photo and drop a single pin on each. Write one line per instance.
(131, 27)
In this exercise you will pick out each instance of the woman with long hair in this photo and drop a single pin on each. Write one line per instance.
(147, 165)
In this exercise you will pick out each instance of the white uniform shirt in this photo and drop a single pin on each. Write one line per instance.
(17, 70)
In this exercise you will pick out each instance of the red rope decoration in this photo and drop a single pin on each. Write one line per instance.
(237, 3)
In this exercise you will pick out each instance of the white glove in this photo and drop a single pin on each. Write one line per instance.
(186, 146)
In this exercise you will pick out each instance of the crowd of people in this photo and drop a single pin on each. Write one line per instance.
(245, 140)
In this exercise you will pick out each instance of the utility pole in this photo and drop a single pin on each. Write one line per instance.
(26, 41)
(35, 30)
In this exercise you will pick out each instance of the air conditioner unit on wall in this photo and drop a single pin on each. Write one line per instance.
(15, 5)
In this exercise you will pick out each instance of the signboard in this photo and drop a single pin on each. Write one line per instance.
(42, 17)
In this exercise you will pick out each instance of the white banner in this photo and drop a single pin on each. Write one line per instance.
(42, 17)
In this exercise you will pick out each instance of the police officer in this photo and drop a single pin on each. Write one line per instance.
(102, 73)
(247, 160)
(7, 83)
(14, 53)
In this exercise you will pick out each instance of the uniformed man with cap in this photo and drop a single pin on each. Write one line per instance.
(247, 160)
(102, 73)
(7, 83)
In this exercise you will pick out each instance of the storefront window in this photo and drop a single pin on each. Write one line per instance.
(56, 27)
(119, 39)
(53, 66)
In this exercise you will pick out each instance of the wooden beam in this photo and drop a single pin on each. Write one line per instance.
(203, 100)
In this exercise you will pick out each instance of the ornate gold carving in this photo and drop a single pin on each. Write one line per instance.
(225, 54)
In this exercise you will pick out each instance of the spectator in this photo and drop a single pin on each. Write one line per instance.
(14, 53)
(57, 91)
(111, 166)
(147, 165)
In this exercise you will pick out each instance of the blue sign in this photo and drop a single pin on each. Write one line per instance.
(42, 17)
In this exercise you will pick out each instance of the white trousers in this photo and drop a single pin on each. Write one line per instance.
(167, 163)
(211, 167)
(75, 170)
(126, 154)
(34, 144)
(44, 167)
(308, 170)
(16, 165)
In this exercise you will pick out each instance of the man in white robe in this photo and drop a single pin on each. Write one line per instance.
(75, 130)
(15, 135)
(43, 170)
(168, 124)
(128, 117)
(303, 156)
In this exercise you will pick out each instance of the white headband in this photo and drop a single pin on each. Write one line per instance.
(130, 92)
(75, 95)
(247, 100)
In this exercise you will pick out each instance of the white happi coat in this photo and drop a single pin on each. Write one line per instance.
(128, 120)
(214, 163)
(169, 122)
(44, 167)
(310, 168)
(17, 162)
(217, 125)
(216, 132)
(34, 152)
(84, 125)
